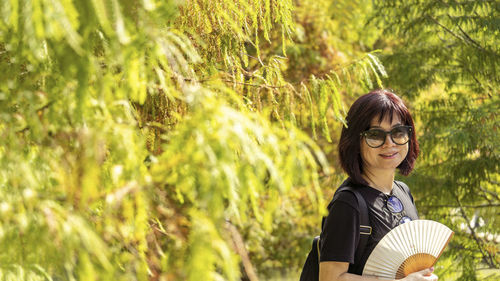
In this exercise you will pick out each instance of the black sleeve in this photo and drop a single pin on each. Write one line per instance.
(340, 234)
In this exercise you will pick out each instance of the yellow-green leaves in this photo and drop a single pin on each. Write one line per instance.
(131, 132)
(10, 14)
(443, 58)
(136, 79)
(231, 165)
(66, 22)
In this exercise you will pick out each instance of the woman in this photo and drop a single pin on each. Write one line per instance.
(378, 139)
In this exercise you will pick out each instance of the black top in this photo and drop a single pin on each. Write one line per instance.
(340, 233)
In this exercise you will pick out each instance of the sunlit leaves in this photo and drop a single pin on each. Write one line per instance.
(446, 60)
(231, 165)
(132, 131)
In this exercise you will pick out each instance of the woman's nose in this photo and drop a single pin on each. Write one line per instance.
(388, 141)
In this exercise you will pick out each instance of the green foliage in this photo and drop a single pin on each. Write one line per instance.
(117, 152)
(230, 167)
(445, 57)
(140, 139)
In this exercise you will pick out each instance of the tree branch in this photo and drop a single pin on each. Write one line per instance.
(239, 246)
(239, 83)
(447, 29)
(486, 255)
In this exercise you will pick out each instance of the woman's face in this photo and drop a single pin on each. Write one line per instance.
(387, 157)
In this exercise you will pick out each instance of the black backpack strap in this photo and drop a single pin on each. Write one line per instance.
(365, 230)
(310, 270)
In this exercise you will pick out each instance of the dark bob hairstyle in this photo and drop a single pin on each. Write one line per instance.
(376, 104)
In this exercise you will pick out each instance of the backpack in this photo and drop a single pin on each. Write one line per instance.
(310, 270)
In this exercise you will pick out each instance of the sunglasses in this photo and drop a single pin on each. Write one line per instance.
(395, 206)
(374, 138)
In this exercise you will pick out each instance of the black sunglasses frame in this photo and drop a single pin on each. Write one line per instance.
(363, 134)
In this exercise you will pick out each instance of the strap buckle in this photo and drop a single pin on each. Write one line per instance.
(365, 229)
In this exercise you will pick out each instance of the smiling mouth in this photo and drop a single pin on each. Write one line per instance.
(390, 155)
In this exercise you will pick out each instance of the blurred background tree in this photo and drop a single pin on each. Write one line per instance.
(444, 57)
(195, 140)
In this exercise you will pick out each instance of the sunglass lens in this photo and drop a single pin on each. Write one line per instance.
(394, 204)
(400, 135)
(404, 219)
(375, 138)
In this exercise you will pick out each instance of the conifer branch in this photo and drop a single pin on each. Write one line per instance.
(237, 82)
(490, 192)
(474, 42)
(447, 29)
(467, 36)
(486, 255)
(239, 246)
(467, 39)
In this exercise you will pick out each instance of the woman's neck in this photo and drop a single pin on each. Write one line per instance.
(380, 181)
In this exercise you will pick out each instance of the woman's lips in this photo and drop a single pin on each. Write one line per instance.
(388, 155)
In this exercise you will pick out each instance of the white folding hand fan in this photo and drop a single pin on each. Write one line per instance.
(408, 248)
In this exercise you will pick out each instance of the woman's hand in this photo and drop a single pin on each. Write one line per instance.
(421, 275)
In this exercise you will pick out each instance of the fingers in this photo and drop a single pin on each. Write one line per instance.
(433, 277)
(425, 274)
(427, 271)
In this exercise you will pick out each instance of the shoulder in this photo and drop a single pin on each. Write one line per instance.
(346, 194)
(407, 199)
(404, 188)
(346, 197)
